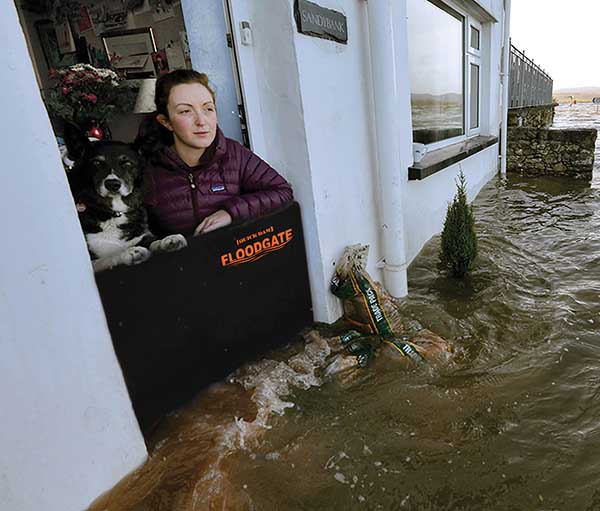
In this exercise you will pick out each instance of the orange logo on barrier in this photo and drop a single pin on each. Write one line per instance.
(253, 250)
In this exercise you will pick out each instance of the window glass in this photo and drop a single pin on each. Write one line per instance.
(474, 38)
(474, 97)
(435, 35)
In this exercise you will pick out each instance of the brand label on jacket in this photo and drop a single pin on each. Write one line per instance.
(257, 245)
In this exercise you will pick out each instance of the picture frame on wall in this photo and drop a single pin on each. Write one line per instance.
(51, 49)
(84, 22)
(131, 51)
(64, 37)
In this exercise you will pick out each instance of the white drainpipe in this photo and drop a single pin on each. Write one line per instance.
(504, 75)
(391, 174)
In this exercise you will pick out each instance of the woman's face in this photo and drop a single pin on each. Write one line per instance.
(192, 116)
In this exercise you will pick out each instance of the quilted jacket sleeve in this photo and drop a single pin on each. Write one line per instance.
(262, 188)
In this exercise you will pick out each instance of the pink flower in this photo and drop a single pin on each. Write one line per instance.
(66, 90)
(92, 98)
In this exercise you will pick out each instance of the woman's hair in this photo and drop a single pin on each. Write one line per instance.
(152, 136)
(169, 80)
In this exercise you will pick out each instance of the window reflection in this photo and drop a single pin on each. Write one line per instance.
(474, 38)
(474, 97)
(435, 35)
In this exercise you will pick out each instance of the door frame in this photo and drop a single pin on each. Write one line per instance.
(236, 12)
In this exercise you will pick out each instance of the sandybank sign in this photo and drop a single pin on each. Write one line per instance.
(257, 245)
(316, 21)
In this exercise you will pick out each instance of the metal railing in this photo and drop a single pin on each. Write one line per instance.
(529, 84)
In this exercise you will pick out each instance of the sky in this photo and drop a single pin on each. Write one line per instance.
(562, 37)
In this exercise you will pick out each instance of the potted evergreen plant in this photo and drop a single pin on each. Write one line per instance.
(459, 241)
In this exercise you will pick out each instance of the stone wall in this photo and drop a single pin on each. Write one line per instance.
(551, 151)
(531, 117)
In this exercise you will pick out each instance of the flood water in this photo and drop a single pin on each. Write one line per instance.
(512, 424)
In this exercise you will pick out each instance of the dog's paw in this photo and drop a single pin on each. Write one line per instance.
(135, 255)
(169, 244)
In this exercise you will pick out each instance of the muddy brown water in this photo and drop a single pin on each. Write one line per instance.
(514, 424)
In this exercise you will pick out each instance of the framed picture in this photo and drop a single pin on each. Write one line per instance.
(161, 62)
(48, 42)
(64, 37)
(125, 47)
(50, 46)
(85, 20)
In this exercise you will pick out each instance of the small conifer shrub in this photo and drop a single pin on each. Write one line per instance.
(459, 241)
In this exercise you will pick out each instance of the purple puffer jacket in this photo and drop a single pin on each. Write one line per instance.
(228, 176)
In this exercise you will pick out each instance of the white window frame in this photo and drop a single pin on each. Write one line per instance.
(470, 56)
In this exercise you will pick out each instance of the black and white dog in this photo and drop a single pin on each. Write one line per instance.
(106, 181)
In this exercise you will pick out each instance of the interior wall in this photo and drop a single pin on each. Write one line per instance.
(68, 430)
(27, 20)
(167, 31)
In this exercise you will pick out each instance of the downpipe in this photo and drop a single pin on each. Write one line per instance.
(387, 125)
(505, 78)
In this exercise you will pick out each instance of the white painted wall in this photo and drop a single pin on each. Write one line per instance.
(336, 88)
(68, 431)
(426, 201)
(316, 126)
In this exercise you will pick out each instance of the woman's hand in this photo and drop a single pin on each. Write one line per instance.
(212, 222)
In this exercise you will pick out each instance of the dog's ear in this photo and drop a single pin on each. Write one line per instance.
(147, 138)
(76, 141)
(143, 148)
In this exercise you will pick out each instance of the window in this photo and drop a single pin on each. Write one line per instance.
(475, 34)
(474, 97)
(474, 78)
(445, 72)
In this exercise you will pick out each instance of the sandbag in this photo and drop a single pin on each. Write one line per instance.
(376, 318)
(362, 301)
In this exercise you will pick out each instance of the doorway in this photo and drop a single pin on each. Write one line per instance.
(139, 39)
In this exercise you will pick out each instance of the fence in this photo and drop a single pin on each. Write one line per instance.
(529, 84)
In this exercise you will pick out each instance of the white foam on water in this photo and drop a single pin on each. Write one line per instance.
(270, 382)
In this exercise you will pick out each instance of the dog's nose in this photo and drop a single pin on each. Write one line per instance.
(112, 185)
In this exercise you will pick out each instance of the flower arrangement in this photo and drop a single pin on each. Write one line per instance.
(83, 93)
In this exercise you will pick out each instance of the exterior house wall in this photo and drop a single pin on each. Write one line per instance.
(317, 127)
(336, 88)
(425, 201)
(68, 430)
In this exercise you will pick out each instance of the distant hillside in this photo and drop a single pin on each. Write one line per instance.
(582, 94)
(451, 98)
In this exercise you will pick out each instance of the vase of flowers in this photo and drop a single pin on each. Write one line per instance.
(88, 97)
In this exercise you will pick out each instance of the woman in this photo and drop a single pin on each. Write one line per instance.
(198, 180)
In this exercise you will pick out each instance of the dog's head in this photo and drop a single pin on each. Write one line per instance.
(112, 169)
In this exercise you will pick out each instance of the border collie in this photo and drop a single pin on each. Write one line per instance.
(106, 185)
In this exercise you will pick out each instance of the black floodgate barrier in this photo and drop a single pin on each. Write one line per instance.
(185, 319)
